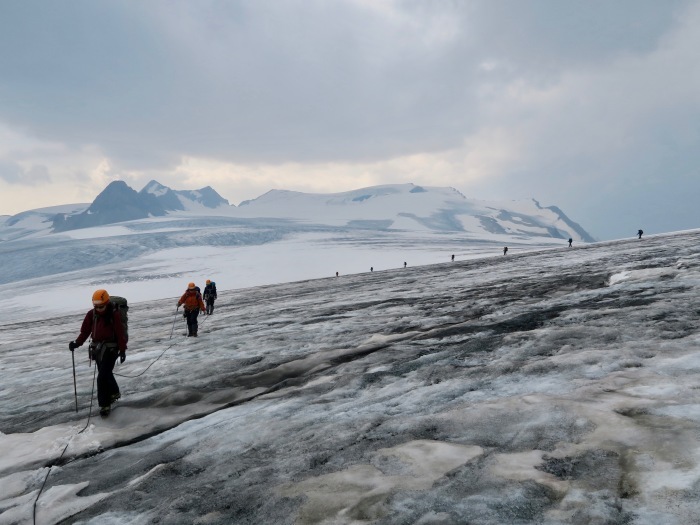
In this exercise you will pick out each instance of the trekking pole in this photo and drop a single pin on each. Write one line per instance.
(175, 319)
(75, 384)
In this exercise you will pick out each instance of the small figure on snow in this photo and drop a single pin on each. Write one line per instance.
(192, 300)
(336, 274)
(104, 325)
(404, 264)
(453, 257)
(210, 296)
(371, 268)
(640, 233)
(505, 250)
(570, 241)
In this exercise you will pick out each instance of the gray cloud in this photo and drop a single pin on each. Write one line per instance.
(354, 81)
(546, 35)
(13, 173)
(10, 172)
(287, 81)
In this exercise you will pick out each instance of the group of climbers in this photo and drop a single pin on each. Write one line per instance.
(106, 326)
(192, 303)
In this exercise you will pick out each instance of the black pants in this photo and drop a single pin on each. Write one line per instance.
(107, 387)
(210, 305)
(192, 324)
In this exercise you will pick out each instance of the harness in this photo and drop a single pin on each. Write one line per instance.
(96, 350)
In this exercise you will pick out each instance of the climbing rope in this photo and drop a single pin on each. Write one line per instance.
(92, 397)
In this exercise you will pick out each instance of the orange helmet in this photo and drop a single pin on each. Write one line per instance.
(190, 286)
(100, 297)
(208, 281)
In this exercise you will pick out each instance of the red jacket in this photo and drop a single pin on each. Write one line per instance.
(105, 327)
(192, 300)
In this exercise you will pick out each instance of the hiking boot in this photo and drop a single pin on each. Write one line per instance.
(104, 411)
(116, 396)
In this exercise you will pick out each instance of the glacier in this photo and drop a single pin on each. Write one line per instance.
(549, 386)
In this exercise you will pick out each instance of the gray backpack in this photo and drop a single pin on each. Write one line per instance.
(120, 304)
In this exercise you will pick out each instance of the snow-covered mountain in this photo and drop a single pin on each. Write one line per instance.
(116, 203)
(555, 387)
(397, 207)
(410, 207)
(120, 203)
(31, 222)
(184, 200)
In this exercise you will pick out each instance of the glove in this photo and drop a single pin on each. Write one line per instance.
(72, 345)
(122, 356)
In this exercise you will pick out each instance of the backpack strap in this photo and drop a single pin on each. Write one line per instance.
(109, 319)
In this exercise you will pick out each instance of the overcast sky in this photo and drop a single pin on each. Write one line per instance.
(593, 106)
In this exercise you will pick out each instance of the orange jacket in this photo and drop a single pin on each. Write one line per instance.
(192, 300)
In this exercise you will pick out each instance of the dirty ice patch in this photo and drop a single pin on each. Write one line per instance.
(691, 411)
(522, 466)
(360, 491)
(431, 459)
(648, 274)
(660, 391)
(670, 477)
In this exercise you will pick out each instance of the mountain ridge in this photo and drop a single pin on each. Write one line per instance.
(118, 202)
(389, 207)
(182, 200)
(409, 206)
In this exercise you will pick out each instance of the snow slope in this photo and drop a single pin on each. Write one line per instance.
(547, 387)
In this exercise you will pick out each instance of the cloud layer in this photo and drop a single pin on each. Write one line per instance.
(591, 106)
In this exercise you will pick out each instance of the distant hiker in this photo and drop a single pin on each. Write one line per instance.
(103, 324)
(453, 257)
(192, 300)
(404, 264)
(210, 296)
(570, 241)
(640, 233)
(505, 250)
(371, 268)
(336, 274)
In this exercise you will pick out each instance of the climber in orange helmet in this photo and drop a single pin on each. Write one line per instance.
(192, 301)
